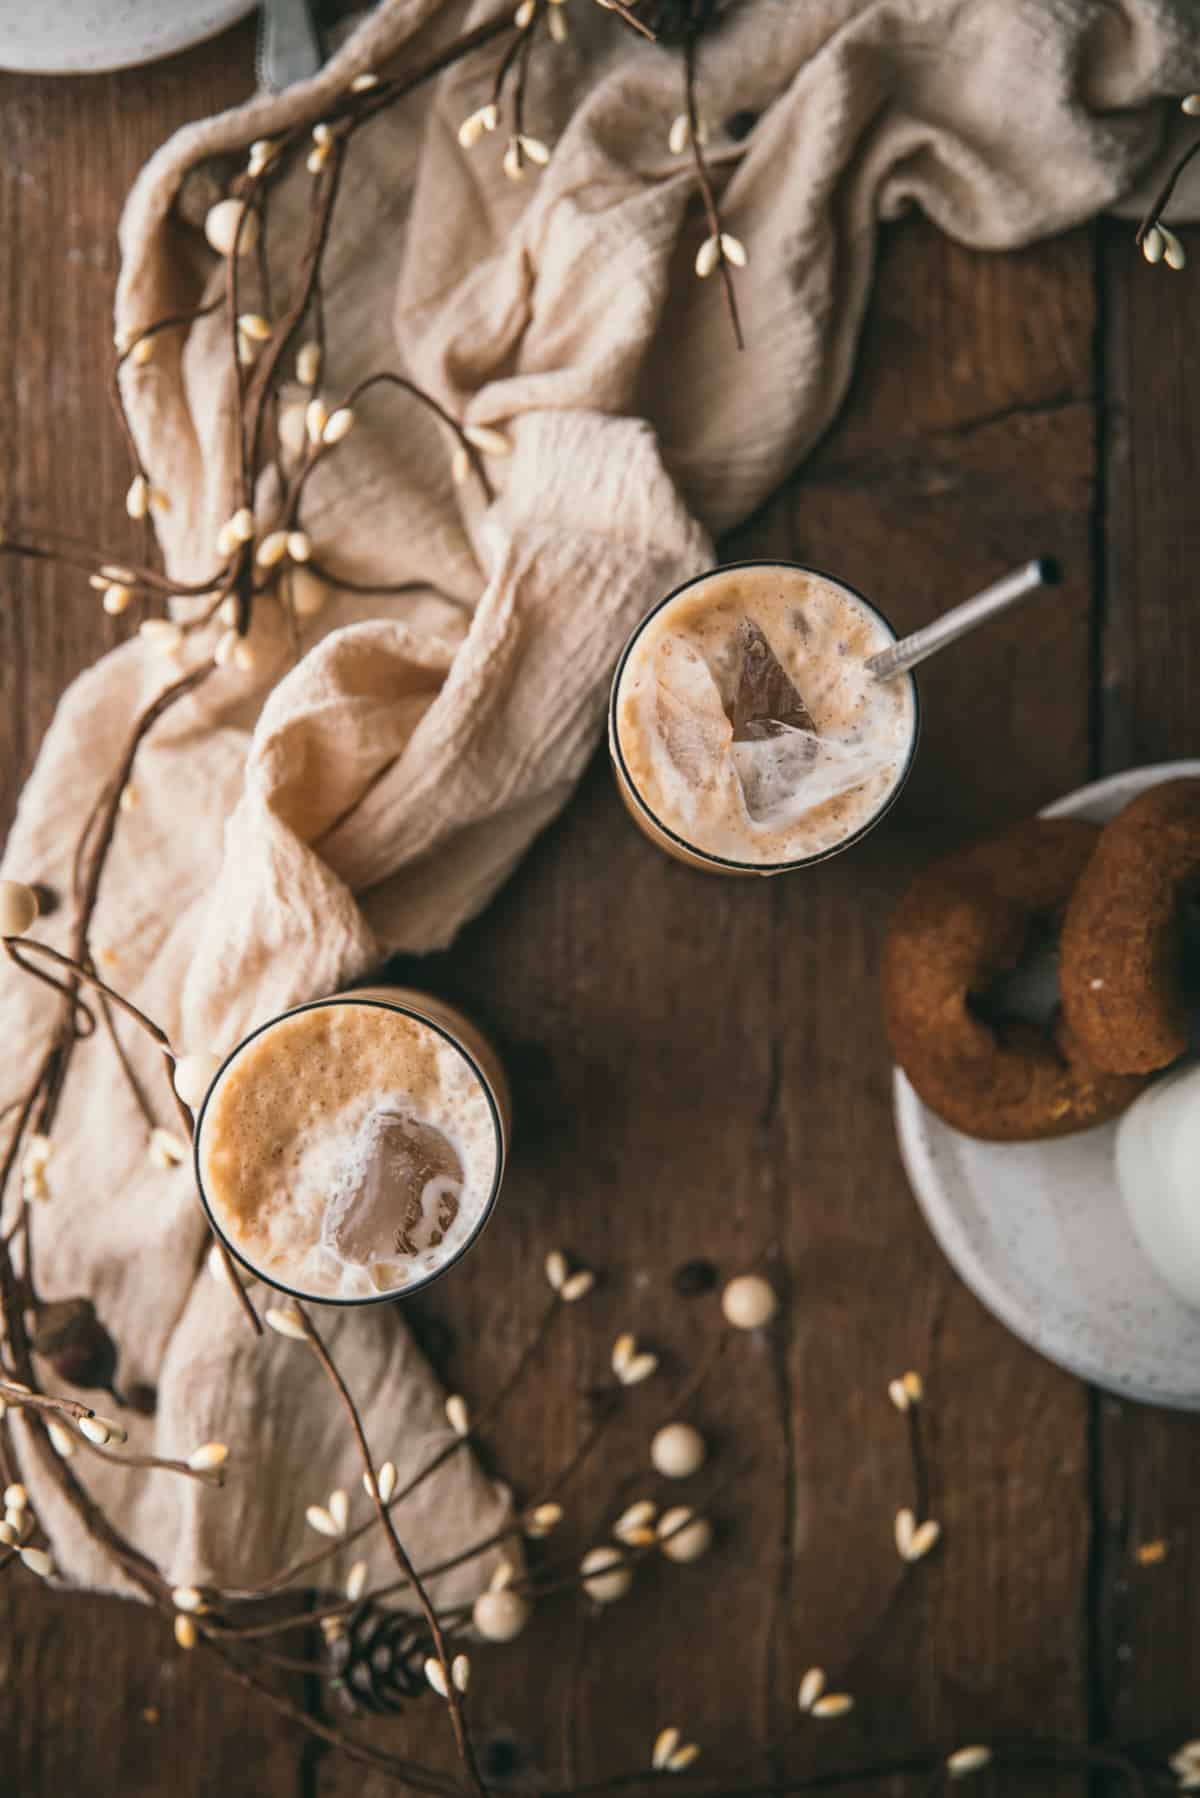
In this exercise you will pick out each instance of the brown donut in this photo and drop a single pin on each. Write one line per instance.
(1121, 970)
(961, 924)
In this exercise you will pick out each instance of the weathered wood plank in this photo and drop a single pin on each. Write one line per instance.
(705, 1075)
(98, 1697)
(1146, 1660)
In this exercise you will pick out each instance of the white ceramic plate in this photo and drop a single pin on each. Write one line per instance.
(1038, 1232)
(82, 37)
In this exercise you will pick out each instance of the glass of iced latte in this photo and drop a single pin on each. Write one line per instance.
(352, 1149)
(747, 733)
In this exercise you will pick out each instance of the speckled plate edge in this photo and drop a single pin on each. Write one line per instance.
(97, 41)
(917, 1127)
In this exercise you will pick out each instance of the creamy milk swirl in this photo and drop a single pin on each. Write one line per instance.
(348, 1150)
(794, 792)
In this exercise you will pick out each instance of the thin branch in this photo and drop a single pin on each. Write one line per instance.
(400, 1554)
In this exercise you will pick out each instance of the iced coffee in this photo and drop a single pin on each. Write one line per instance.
(747, 732)
(353, 1148)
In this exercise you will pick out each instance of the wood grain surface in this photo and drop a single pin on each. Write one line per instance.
(699, 1070)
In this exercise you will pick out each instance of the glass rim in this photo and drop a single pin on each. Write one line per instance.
(394, 1293)
(682, 842)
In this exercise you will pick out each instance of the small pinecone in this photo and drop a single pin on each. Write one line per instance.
(380, 1659)
(674, 21)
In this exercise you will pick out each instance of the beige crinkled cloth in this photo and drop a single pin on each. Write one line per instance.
(376, 794)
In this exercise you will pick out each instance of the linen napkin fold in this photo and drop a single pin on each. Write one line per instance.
(300, 820)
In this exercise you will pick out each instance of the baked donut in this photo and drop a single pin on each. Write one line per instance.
(1121, 969)
(962, 923)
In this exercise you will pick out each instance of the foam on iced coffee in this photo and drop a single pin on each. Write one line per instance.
(348, 1150)
(748, 722)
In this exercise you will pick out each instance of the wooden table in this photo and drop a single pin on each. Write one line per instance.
(699, 1064)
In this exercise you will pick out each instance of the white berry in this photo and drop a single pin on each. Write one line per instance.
(749, 1302)
(222, 224)
(499, 1616)
(192, 1077)
(677, 1451)
(18, 907)
(607, 1574)
(681, 1539)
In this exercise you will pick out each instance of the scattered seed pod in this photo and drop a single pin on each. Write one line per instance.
(208, 1456)
(677, 1451)
(1153, 245)
(665, 1744)
(137, 499)
(96, 1430)
(116, 599)
(683, 1757)
(460, 1672)
(287, 1322)
(968, 1760)
(307, 592)
(319, 1519)
(186, 1632)
(623, 1351)
(914, 1386)
(476, 124)
(339, 425)
(682, 1535)
(308, 363)
(356, 1581)
(708, 256)
(811, 1687)
(8, 1535)
(272, 549)
(578, 1285)
(556, 1269)
(898, 1394)
(293, 433)
(632, 1524)
(749, 1302)
(500, 1616)
(457, 1415)
(925, 1537)
(640, 1368)
(16, 1498)
(607, 1574)
(18, 907)
(188, 1598)
(37, 1561)
(299, 547)
(435, 1673)
(62, 1439)
(834, 1704)
(542, 1519)
(364, 82)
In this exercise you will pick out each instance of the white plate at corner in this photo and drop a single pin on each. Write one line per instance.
(1038, 1232)
(84, 37)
